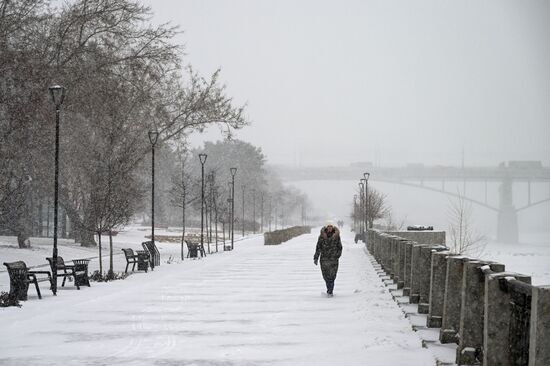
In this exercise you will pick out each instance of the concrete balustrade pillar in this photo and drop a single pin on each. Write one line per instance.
(416, 276)
(394, 257)
(376, 244)
(382, 251)
(386, 258)
(539, 346)
(408, 268)
(496, 320)
(401, 263)
(425, 267)
(370, 241)
(452, 300)
(438, 273)
(472, 311)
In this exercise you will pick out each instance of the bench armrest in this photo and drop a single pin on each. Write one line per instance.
(39, 272)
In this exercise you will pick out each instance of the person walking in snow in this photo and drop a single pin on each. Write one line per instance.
(329, 249)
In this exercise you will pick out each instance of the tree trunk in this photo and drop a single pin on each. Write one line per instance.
(216, 227)
(23, 240)
(111, 272)
(24, 227)
(40, 221)
(183, 232)
(80, 228)
(48, 220)
(86, 238)
(63, 218)
(100, 258)
(223, 232)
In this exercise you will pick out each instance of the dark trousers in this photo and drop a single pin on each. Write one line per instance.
(329, 268)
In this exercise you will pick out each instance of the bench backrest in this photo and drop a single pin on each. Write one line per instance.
(190, 244)
(15, 265)
(16, 270)
(154, 253)
(128, 252)
(60, 262)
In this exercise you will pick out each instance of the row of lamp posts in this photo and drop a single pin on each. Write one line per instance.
(233, 171)
(57, 93)
(364, 202)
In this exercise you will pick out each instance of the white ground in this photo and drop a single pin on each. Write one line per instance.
(256, 305)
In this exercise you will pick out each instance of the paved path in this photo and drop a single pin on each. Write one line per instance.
(258, 305)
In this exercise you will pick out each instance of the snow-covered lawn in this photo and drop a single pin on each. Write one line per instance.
(257, 305)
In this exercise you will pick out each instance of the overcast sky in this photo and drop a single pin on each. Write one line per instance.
(333, 82)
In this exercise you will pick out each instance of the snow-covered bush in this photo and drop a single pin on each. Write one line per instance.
(7, 299)
(109, 276)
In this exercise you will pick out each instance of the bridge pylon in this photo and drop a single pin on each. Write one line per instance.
(507, 224)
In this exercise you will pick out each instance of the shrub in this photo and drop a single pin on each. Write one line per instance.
(7, 299)
(109, 276)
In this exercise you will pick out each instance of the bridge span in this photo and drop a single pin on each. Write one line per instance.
(435, 179)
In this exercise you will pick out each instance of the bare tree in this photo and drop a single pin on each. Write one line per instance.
(377, 207)
(123, 76)
(391, 223)
(183, 194)
(463, 238)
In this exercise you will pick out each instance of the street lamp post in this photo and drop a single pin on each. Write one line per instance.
(226, 219)
(367, 175)
(153, 137)
(355, 213)
(215, 205)
(233, 172)
(362, 212)
(183, 203)
(254, 210)
(210, 208)
(58, 95)
(202, 158)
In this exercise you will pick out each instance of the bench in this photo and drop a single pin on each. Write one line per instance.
(193, 249)
(78, 271)
(154, 254)
(21, 277)
(141, 258)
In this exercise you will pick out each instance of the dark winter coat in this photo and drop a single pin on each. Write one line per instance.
(328, 247)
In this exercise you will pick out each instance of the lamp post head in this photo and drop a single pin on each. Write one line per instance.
(363, 180)
(233, 171)
(58, 95)
(202, 158)
(361, 185)
(366, 175)
(153, 137)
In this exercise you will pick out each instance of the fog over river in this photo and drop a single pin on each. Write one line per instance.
(333, 199)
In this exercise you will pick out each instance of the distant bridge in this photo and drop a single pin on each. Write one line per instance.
(417, 175)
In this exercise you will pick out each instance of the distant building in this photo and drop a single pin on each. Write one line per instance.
(362, 164)
(522, 164)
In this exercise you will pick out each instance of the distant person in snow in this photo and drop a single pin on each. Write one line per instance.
(329, 248)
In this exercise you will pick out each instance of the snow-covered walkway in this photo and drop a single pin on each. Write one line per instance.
(257, 305)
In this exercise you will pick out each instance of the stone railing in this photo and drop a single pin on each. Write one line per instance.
(280, 236)
(494, 317)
